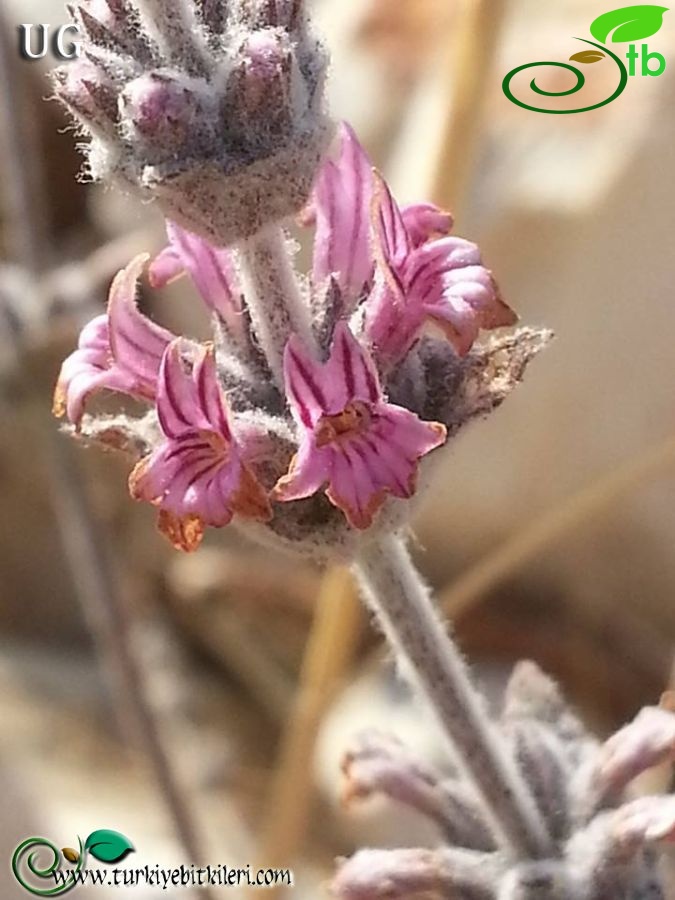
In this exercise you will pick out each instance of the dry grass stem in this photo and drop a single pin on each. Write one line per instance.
(330, 650)
(554, 525)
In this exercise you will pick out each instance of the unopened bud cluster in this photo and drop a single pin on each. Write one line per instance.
(604, 845)
(214, 109)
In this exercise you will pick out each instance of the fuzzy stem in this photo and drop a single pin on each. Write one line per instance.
(395, 592)
(273, 296)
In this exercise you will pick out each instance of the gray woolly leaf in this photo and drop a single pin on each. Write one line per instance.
(459, 390)
(541, 757)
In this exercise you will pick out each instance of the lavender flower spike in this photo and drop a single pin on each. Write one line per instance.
(120, 351)
(198, 475)
(364, 447)
(215, 112)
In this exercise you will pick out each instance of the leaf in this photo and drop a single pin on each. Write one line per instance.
(587, 56)
(108, 846)
(630, 23)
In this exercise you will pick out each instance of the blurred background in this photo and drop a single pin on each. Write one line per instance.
(202, 704)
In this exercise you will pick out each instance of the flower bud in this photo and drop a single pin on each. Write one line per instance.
(164, 116)
(115, 25)
(89, 94)
(213, 15)
(157, 105)
(271, 13)
(224, 125)
(261, 91)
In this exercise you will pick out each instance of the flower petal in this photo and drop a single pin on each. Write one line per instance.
(303, 376)
(342, 199)
(392, 243)
(362, 446)
(196, 475)
(648, 741)
(120, 351)
(166, 267)
(424, 221)
(178, 405)
(211, 268)
(308, 472)
(137, 343)
(350, 374)
(354, 485)
(647, 820)
(408, 433)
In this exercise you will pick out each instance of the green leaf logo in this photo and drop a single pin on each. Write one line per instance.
(630, 23)
(587, 56)
(108, 846)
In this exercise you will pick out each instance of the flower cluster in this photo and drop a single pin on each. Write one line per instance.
(604, 842)
(364, 393)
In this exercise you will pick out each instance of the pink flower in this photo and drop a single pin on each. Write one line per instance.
(401, 262)
(120, 351)
(197, 475)
(211, 269)
(350, 438)
(341, 208)
(422, 277)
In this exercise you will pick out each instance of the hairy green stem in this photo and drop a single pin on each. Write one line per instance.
(395, 592)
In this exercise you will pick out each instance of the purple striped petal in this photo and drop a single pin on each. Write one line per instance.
(449, 282)
(211, 269)
(424, 275)
(354, 487)
(342, 200)
(137, 343)
(303, 377)
(121, 351)
(442, 281)
(350, 374)
(424, 221)
(392, 242)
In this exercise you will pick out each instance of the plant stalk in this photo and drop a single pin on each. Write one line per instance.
(272, 293)
(395, 592)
